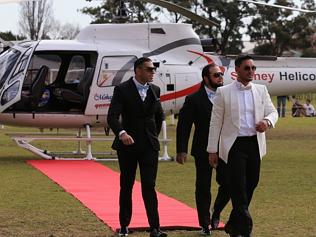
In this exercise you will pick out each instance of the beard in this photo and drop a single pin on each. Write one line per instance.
(214, 85)
(249, 79)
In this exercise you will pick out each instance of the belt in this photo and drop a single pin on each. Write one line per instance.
(247, 138)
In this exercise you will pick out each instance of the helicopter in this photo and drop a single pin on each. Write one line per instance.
(70, 83)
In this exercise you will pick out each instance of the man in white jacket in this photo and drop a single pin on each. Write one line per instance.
(242, 112)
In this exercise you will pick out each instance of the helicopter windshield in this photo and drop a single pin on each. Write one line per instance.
(13, 67)
(7, 62)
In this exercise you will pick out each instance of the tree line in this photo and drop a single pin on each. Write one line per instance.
(37, 21)
(273, 30)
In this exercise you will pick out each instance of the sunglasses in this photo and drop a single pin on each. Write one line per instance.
(217, 74)
(150, 69)
(247, 68)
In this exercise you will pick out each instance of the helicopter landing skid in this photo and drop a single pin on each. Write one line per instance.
(24, 141)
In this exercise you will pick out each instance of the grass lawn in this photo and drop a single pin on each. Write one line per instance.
(283, 204)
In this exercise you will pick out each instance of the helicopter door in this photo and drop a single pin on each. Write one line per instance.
(113, 71)
(168, 91)
(185, 85)
(13, 67)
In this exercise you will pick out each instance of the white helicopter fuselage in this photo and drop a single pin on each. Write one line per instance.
(110, 51)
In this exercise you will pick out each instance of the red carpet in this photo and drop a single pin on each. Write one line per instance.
(97, 187)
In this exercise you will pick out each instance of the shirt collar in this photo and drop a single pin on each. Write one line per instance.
(242, 87)
(139, 85)
(210, 93)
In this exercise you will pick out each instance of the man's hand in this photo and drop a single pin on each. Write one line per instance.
(262, 126)
(181, 157)
(213, 159)
(126, 139)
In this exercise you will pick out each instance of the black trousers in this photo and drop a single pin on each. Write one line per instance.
(243, 176)
(223, 195)
(203, 189)
(148, 165)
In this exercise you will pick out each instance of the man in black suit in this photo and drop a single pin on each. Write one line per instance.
(137, 102)
(197, 110)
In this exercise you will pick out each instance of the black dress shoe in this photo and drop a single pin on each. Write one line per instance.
(123, 232)
(228, 229)
(215, 222)
(250, 235)
(157, 233)
(232, 233)
(205, 231)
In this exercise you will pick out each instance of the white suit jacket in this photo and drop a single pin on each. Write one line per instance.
(225, 120)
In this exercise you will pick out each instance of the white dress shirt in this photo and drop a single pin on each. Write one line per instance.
(142, 89)
(246, 111)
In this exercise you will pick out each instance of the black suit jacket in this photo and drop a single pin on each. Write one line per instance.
(140, 119)
(196, 110)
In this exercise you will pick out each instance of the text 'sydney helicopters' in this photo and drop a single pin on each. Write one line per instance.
(69, 83)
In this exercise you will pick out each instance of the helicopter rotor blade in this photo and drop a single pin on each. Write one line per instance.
(15, 1)
(279, 6)
(183, 11)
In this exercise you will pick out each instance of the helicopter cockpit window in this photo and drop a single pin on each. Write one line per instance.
(10, 93)
(114, 70)
(52, 61)
(22, 63)
(7, 62)
(75, 70)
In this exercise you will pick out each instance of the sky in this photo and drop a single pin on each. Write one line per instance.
(65, 11)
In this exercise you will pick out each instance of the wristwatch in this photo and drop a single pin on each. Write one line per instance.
(269, 123)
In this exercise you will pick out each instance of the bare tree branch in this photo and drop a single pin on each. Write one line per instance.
(36, 18)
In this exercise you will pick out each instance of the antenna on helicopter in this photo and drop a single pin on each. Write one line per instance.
(183, 11)
(122, 13)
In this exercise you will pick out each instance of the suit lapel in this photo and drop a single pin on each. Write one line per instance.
(134, 93)
(207, 104)
(234, 105)
(151, 90)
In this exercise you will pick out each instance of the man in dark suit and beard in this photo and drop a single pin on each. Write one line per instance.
(197, 110)
(137, 102)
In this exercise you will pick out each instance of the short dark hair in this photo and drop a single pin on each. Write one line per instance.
(241, 58)
(206, 72)
(140, 61)
(206, 69)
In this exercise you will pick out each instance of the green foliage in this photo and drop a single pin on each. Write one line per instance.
(107, 12)
(277, 30)
(229, 15)
(174, 16)
(9, 36)
(274, 30)
(264, 49)
(309, 53)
